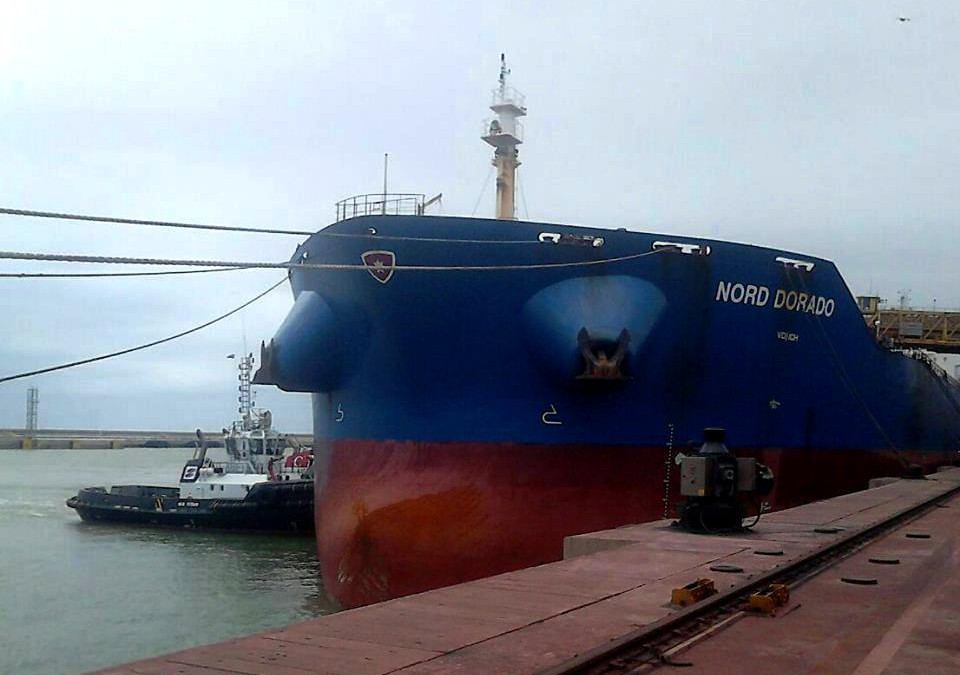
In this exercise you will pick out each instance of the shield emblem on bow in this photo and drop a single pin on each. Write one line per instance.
(380, 264)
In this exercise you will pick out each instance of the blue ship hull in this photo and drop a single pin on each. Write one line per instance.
(461, 429)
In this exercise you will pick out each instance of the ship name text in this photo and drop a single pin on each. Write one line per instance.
(762, 296)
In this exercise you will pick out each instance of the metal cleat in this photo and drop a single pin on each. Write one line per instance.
(693, 592)
(770, 599)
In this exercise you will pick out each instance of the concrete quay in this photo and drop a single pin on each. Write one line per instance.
(616, 584)
(48, 439)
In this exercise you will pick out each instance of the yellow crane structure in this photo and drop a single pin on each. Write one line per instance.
(931, 329)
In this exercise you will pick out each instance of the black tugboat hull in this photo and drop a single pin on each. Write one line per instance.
(269, 507)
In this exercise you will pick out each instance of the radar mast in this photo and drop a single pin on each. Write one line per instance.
(505, 132)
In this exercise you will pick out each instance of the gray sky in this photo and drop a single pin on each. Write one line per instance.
(830, 128)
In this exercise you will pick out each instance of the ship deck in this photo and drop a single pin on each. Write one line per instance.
(606, 607)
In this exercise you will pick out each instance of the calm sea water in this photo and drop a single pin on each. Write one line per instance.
(74, 597)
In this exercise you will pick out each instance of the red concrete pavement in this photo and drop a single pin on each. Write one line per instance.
(532, 619)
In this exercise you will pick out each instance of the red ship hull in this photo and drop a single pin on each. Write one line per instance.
(396, 518)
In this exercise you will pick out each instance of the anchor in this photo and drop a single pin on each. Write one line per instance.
(597, 365)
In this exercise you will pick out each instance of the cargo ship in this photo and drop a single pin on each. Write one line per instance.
(483, 388)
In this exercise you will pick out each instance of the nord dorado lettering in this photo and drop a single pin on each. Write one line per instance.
(759, 296)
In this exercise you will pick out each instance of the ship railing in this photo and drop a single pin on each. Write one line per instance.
(492, 128)
(381, 204)
(931, 362)
(508, 96)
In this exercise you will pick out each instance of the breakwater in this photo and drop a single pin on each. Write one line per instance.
(11, 439)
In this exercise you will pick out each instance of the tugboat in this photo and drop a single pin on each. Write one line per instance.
(266, 484)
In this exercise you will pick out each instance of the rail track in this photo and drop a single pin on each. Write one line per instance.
(661, 642)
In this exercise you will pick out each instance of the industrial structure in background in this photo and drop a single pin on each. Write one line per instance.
(254, 425)
(505, 133)
(33, 407)
(931, 329)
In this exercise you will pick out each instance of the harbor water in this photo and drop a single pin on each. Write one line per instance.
(77, 596)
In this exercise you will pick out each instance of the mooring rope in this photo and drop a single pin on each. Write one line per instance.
(154, 343)
(254, 230)
(121, 260)
(85, 275)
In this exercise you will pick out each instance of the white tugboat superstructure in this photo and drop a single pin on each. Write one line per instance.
(261, 486)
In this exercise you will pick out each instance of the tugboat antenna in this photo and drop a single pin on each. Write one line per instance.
(246, 391)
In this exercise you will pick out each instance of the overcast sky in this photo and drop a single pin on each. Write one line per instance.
(830, 128)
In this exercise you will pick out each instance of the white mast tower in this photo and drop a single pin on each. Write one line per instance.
(505, 133)
(246, 392)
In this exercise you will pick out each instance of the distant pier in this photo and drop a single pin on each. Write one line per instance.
(47, 439)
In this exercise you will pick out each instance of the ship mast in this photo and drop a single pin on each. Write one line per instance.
(246, 392)
(505, 133)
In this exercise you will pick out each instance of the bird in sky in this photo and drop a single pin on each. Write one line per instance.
(903, 19)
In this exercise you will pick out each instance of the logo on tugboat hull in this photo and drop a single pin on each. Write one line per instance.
(380, 264)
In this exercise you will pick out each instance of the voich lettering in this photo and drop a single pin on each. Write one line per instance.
(760, 296)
